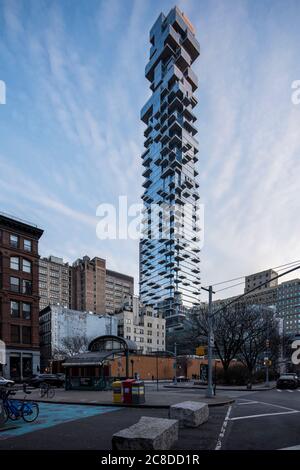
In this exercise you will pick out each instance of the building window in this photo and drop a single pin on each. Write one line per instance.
(27, 287)
(26, 266)
(26, 311)
(15, 284)
(15, 263)
(14, 241)
(15, 333)
(27, 245)
(14, 309)
(26, 335)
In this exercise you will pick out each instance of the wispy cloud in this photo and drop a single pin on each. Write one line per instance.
(71, 136)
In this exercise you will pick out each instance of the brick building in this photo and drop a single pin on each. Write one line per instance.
(19, 296)
(93, 288)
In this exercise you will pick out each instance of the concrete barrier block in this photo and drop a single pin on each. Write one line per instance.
(189, 413)
(148, 434)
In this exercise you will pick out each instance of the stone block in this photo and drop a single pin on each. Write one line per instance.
(189, 413)
(147, 434)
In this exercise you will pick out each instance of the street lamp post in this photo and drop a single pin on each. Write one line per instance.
(209, 391)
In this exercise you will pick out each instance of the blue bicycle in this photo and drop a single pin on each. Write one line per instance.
(15, 409)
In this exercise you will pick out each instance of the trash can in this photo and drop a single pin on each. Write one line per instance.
(117, 391)
(127, 390)
(138, 392)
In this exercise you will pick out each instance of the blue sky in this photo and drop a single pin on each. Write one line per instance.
(71, 139)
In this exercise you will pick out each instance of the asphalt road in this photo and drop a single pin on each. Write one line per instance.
(257, 420)
(95, 431)
(263, 421)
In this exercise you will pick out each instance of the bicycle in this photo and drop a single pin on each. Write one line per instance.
(11, 408)
(47, 391)
(15, 409)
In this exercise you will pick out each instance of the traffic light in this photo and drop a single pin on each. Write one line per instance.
(267, 343)
(267, 362)
(201, 350)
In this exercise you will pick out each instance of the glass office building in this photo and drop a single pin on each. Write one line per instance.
(169, 249)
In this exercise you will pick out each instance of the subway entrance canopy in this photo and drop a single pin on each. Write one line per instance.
(91, 370)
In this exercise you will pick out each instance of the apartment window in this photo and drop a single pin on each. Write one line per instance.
(27, 287)
(27, 245)
(15, 333)
(26, 311)
(26, 266)
(14, 241)
(14, 309)
(15, 263)
(15, 284)
(26, 335)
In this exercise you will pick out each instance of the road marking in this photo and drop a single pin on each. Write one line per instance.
(291, 448)
(276, 406)
(264, 414)
(223, 429)
(280, 391)
(248, 403)
(290, 391)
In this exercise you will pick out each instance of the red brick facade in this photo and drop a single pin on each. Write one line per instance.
(19, 295)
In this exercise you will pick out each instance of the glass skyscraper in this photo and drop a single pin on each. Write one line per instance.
(169, 249)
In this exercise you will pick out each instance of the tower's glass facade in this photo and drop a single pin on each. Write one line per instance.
(169, 249)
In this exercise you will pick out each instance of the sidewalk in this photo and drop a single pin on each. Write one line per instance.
(154, 399)
(234, 388)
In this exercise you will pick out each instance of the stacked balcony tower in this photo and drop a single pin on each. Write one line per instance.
(169, 264)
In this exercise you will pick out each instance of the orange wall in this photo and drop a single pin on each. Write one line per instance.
(146, 366)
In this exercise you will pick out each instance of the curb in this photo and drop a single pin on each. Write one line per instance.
(197, 387)
(121, 405)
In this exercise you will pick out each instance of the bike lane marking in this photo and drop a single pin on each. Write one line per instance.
(52, 415)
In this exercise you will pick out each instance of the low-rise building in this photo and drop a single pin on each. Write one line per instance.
(66, 332)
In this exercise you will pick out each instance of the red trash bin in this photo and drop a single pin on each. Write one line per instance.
(127, 390)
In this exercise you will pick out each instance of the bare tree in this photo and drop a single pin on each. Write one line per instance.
(229, 327)
(261, 326)
(70, 346)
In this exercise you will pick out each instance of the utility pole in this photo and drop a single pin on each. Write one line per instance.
(210, 342)
(268, 355)
(175, 363)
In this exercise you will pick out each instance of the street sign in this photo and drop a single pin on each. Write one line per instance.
(212, 340)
